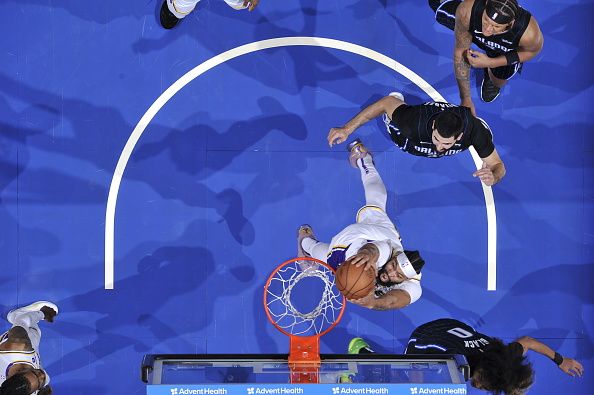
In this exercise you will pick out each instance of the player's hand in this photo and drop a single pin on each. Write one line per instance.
(250, 4)
(467, 102)
(364, 257)
(366, 301)
(485, 174)
(338, 135)
(478, 59)
(572, 367)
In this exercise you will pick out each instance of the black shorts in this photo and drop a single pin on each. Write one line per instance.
(445, 14)
(507, 72)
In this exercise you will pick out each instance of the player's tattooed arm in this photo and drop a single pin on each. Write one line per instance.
(463, 40)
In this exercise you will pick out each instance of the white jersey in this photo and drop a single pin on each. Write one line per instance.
(373, 226)
(9, 358)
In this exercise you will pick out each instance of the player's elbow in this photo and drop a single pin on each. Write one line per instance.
(399, 301)
(390, 103)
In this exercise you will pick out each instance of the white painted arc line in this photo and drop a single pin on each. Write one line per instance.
(257, 46)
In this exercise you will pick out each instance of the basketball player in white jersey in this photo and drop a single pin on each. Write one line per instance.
(172, 11)
(372, 241)
(21, 372)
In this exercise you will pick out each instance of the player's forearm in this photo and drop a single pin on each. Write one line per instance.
(503, 60)
(395, 299)
(371, 112)
(462, 42)
(462, 72)
(530, 343)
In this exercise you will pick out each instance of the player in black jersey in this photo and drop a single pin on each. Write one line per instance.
(507, 33)
(494, 366)
(432, 130)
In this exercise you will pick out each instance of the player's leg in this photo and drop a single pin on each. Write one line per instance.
(375, 190)
(308, 245)
(28, 318)
(172, 11)
(445, 11)
(236, 4)
(495, 79)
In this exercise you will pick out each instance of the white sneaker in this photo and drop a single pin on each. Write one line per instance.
(303, 232)
(397, 95)
(35, 306)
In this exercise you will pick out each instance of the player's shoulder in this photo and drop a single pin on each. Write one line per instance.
(532, 36)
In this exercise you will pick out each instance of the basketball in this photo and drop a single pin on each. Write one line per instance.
(354, 282)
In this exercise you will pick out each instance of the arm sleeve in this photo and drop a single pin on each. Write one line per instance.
(482, 138)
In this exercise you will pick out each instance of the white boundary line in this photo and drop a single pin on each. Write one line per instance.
(258, 46)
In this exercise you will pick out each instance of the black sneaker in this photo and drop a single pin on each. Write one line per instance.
(168, 20)
(489, 91)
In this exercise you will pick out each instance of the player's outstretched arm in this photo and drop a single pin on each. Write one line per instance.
(394, 299)
(567, 365)
(493, 169)
(385, 105)
(463, 39)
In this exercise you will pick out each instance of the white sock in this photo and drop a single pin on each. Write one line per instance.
(375, 190)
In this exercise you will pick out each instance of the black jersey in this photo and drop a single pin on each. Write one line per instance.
(449, 336)
(497, 44)
(411, 129)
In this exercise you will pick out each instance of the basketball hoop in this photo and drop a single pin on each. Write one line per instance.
(303, 328)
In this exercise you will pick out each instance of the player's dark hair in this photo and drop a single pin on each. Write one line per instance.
(415, 259)
(448, 123)
(508, 8)
(16, 385)
(502, 369)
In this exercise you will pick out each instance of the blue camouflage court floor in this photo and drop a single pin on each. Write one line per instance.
(225, 171)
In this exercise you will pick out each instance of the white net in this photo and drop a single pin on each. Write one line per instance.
(282, 293)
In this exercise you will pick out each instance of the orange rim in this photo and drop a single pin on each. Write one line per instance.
(271, 276)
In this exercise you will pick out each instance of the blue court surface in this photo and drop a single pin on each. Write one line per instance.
(206, 196)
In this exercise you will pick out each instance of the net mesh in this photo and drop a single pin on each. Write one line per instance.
(286, 316)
